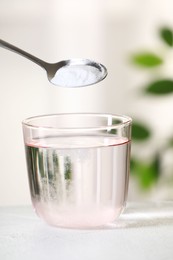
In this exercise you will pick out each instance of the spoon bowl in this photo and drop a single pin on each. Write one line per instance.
(66, 73)
(76, 73)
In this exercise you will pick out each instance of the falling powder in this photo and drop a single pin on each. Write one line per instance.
(77, 76)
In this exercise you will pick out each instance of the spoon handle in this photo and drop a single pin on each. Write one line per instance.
(15, 49)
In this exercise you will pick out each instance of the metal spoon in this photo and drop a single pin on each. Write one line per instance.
(67, 73)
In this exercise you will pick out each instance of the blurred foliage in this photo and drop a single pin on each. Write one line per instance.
(146, 59)
(160, 87)
(170, 142)
(140, 132)
(68, 168)
(167, 35)
(148, 172)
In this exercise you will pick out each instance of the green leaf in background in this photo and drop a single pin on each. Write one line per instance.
(167, 35)
(147, 59)
(68, 168)
(169, 143)
(160, 87)
(140, 132)
(147, 173)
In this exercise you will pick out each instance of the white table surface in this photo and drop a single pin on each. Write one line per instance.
(144, 231)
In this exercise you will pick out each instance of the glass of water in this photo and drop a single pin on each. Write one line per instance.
(78, 167)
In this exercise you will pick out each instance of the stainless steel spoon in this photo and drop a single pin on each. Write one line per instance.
(67, 73)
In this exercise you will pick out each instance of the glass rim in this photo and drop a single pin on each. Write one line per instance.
(126, 120)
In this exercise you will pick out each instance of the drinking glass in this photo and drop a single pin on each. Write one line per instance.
(78, 167)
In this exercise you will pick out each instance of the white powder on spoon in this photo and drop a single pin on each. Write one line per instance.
(77, 76)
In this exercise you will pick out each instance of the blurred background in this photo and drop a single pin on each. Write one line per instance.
(133, 39)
